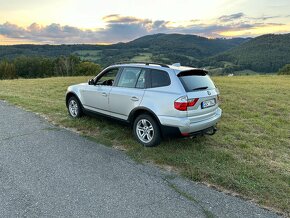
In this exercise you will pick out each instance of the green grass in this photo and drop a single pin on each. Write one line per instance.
(142, 57)
(250, 154)
(245, 72)
(88, 52)
(92, 55)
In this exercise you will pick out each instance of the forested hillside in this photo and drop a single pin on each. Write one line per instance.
(264, 54)
(190, 45)
(13, 51)
(267, 53)
(166, 48)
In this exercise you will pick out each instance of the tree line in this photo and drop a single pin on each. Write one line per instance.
(40, 67)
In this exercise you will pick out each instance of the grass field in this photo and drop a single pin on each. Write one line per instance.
(250, 154)
(92, 55)
(142, 57)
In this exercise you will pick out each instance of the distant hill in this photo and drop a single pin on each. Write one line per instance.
(12, 51)
(191, 45)
(267, 53)
(167, 48)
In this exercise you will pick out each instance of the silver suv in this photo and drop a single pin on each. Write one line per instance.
(157, 100)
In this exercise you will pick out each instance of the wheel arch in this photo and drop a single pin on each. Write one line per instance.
(142, 110)
(69, 95)
(166, 131)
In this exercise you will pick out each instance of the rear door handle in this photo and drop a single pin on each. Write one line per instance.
(104, 94)
(134, 98)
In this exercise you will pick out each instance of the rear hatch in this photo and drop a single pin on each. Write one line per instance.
(200, 89)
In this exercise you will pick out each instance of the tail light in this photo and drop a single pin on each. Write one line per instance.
(183, 103)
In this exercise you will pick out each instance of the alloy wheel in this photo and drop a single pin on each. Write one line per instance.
(73, 108)
(145, 130)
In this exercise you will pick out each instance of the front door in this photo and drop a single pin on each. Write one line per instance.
(96, 97)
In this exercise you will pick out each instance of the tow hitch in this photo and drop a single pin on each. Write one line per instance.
(209, 131)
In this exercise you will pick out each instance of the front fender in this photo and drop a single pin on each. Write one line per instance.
(74, 90)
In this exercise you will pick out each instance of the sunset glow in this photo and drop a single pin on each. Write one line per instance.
(90, 21)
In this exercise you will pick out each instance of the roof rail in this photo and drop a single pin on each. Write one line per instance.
(146, 63)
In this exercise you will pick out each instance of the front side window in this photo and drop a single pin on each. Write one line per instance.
(132, 77)
(108, 77)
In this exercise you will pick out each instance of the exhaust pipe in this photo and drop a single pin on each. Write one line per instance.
(211, 131)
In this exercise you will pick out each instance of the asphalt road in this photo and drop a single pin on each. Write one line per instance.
(46, 171)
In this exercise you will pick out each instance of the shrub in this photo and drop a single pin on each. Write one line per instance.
(284, 70)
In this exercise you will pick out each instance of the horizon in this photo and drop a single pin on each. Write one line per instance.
(223, 38)
(109, 22)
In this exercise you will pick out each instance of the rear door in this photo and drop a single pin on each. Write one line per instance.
(128, 92)
(200, 88)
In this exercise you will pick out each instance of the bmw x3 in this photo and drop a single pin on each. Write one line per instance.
(158, 100)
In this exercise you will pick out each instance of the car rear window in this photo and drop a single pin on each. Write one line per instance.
(195, 80)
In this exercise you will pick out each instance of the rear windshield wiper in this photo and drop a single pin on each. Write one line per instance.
(200, 88)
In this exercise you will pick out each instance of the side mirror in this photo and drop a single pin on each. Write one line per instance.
(91, 82)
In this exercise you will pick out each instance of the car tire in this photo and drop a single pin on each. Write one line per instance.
(74, 107)
(146, 130)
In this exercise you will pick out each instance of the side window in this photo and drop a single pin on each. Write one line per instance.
(159, 78)
(108, 78)
(132, 77)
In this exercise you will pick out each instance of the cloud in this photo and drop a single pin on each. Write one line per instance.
(125, 28)
(116, 18)
(264, 17)
(213, 30)
(12, 30)
(123, 32)
(232, 17)
(53, 33)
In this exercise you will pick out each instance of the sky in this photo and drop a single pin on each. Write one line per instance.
(113, 21)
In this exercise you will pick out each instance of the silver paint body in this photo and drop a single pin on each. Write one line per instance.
(118, 102)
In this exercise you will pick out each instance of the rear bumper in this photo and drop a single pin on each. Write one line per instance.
(189, 128)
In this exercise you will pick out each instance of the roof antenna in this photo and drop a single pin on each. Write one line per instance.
(176, 65)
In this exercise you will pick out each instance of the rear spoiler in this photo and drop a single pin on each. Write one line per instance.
(193, 72)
